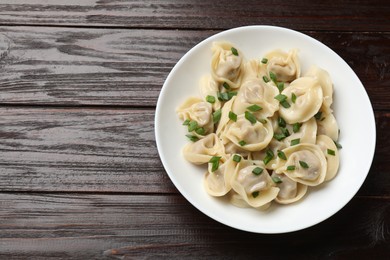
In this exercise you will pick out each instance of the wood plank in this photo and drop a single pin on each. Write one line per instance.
(109, 150)
(133, 226)
(68, 66)
(302, 15)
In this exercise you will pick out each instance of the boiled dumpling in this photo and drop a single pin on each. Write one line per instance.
(284, 65)
(326, 84)
(254, 184)
(305, 164)
(226, 64)
(203, 150)
(290, 191)
(331, 153)
(308, 101)
(217, 183)
(195, 109)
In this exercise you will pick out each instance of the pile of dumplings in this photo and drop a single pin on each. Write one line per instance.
(265, 130)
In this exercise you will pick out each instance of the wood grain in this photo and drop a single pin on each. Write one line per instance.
(91, 226)
(68, 66)
(215, 14)
(108, 150)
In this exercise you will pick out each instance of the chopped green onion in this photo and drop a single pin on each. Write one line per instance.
(186, 122)
(263, 121)
(193, 138)
(281, 98)
(281, 155)
(280, 86)
(279, 137)
(318, 115)
(232, 116)
(296, 127)
(293, 98)
(237, 158)
(242, 143)
(226, 85)
(295, 141)
(285, 131)
(266, 79)
(281, 122)
(303, 164)
(264, 60)
(234, 51)
(338, 145)
(217, 115)
(210, 99)
(285, 104)
(276, 179)
(331, 152)
(200, 131)
(255, 194)
(215, 159)
(273, 77)
(254, 108)
(231, 94)
(215, 163)
(223, 96)
(250, 117)
(192, 126)
(257, 171)
(291, 168)
(269, 156)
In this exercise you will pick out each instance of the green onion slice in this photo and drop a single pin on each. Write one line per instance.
(226, 85)
(192, 126)
(318, 115)
(257, 171)
(237, 158)
(250, 117)
(223, 96)
(264, 60)
(242, 143)
(280, 86)
(279, 137)
(186, 122)
(273, 77)
(281, 97)
(296, 127)
(266, 79)
(281, 122)
(303, 164)
(254, 108)
(193, 138)
(295, 141)
(210, 99)
(293, 98)
(282, 155)
(217, 115)
(232, 116)
(338, 145)
(200, 131)
(255, 194)
(263, 121)
(285, 131)
(268, 157)
(331, 152)
(285, 104)
(276, 179)
(291, 168)
(234, 51)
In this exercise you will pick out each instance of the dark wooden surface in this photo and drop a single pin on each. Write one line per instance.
(80, 176)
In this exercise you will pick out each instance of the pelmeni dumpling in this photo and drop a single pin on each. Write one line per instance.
(309, 96)
(197, 110)
(272, 149)
(306, 164)
(326, 84)
(284, 65)
(256, 136)
(331, 153)
(290, 191)
(256, 92)
(209, 87)
(225, 65)
(217, 183)
(307, 132)
(327, 125)
(203, 150)
(253, 183)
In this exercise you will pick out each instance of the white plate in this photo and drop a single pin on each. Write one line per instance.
(352, 109)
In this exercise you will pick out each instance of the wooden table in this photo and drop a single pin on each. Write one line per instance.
(80, 176)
